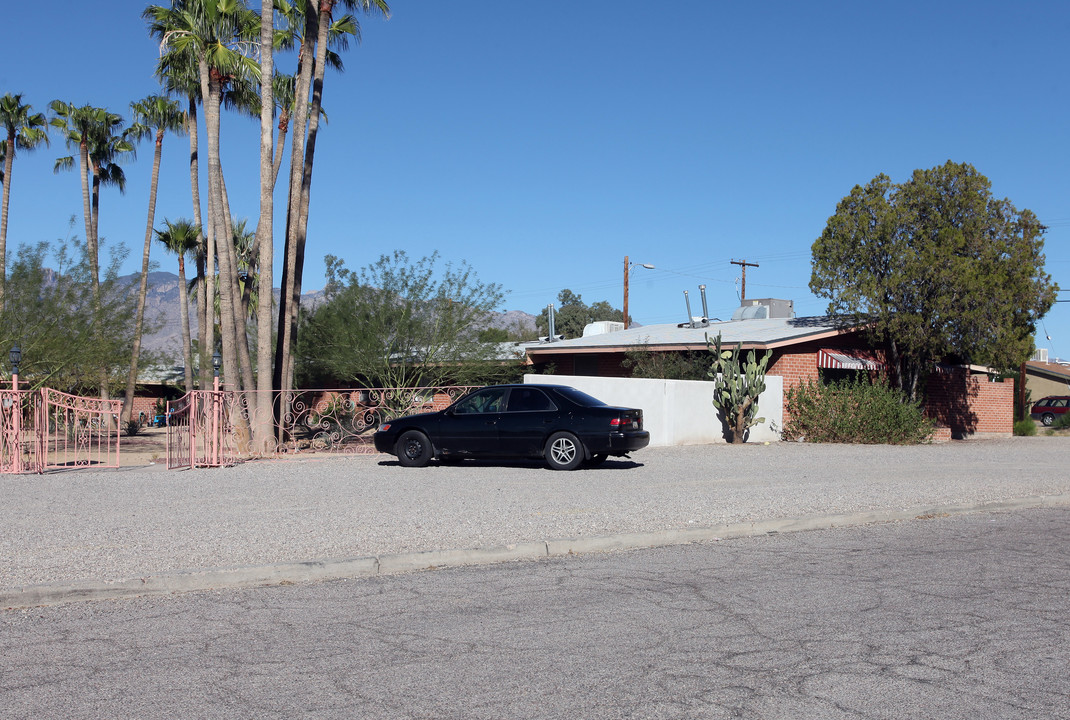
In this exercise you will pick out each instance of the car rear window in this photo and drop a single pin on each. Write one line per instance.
(580, 398)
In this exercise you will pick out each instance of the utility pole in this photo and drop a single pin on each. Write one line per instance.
(743, 288)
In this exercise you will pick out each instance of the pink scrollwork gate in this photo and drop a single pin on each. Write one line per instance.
(76, 431)
(199, 432)
(46, 429)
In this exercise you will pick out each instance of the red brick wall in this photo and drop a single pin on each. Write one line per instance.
(965, 405)
(795, 368)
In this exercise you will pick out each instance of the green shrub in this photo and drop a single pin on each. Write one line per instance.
(1025, 427)
(1062, 422)
(854, 412)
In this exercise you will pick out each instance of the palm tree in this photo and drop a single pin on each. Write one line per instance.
(182, 237)
(101, 144)
(153, 116)
(215, 32)
(318, 24)
(25, 130)
(179, 75)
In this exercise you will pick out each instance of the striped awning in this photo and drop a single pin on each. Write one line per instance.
(845, 361)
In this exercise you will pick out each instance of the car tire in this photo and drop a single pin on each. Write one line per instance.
(595, 460)
(1047, 419)
(563, 451)
(413, 449)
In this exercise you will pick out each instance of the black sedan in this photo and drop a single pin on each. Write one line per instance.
(567, 427)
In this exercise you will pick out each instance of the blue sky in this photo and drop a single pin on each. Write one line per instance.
(543, 143)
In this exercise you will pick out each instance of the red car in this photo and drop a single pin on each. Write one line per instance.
(1046, 410)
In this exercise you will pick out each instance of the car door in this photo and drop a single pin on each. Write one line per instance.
(470, 426)
(528, 417)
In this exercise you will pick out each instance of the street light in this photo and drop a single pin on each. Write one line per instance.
(627, 271)
(16, 357)
(217, 361)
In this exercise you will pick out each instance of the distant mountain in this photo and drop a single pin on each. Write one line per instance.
(162, 302)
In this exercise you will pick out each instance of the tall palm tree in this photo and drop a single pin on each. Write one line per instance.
(101, 144)
(26, 130)
(318, 24)
(179, 75)
(182, 237)
(215, 32)
(153, 117)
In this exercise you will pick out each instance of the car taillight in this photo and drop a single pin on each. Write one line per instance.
(615, 422)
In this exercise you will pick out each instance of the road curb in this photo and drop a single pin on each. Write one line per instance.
(397, 563)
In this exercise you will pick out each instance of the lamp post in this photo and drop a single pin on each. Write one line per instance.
(627, 271)
(217, 360)
(16, 357)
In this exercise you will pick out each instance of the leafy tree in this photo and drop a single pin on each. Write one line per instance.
(50, 313)
(686, 365)
(571, 315)
(153, 117)
(935, 267)
(23, 129)
(401, 324)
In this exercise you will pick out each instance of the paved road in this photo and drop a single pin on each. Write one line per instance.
(946, 617)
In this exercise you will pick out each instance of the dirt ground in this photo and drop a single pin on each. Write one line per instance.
(148, 447)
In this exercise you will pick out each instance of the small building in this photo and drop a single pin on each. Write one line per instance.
(803, 349)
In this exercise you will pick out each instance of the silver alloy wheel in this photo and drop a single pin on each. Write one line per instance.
(563, 450)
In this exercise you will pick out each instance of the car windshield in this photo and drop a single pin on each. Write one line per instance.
(579, 397)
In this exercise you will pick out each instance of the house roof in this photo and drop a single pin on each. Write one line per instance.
(1055, 371)
(765, 333)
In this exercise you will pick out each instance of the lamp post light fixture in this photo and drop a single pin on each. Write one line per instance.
(16, 357)
(627, 271)
(217, 360)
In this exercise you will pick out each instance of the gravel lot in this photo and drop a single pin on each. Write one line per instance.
(118, 524)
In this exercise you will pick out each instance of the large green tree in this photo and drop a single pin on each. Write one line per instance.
(153, 117)
(23, 129)
(935, 267)
(50, 313)
(571, 315)
(400, 324)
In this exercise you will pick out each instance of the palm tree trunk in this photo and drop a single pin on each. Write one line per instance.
(9, 159)
(285, 339)
(143, 284)
(264, 427)
(187, 340)
(205, 321)
(224, 245)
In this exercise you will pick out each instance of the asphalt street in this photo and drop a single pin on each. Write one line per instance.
(961, 616)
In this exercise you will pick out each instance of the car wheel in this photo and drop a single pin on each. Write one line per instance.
(1047, 419)
(413, 449)
(563, 451)
(595, 460)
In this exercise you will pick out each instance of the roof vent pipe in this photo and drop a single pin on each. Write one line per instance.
(690, 320)
(705, 312)
(550, 314)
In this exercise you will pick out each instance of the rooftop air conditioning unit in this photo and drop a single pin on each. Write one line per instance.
(1041, 355)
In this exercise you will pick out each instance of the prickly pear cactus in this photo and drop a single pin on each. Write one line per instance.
(737, 386)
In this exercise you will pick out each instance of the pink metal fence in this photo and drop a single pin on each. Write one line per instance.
(47, 429)
(209, 429)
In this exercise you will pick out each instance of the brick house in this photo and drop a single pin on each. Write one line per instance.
(961, 400)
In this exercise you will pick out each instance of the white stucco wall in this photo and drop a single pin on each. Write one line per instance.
(676, 412)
